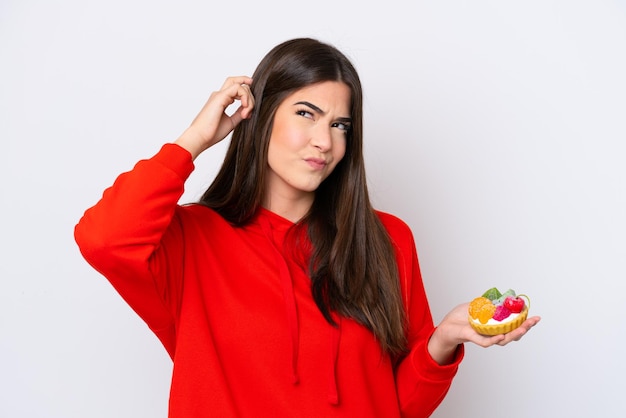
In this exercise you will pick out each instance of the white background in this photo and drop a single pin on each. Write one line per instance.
(496, 129)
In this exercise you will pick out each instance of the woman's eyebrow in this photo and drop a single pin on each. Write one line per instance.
(312, 106)
(318, 110)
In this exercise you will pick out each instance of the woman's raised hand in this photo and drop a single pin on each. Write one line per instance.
(213, 124)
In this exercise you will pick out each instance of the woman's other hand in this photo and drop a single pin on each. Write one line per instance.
(455, 329)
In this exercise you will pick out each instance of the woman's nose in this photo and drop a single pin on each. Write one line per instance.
(322, 138)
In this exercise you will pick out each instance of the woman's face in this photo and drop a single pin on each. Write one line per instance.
(308, 139)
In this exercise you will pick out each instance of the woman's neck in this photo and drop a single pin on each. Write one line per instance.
(293, 209)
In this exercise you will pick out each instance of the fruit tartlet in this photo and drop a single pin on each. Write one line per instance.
(496, 313)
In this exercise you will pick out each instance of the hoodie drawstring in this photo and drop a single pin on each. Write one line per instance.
(292, 318)
(290, 299)
(335, 334)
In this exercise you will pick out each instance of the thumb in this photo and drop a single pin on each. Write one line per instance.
(238, 116)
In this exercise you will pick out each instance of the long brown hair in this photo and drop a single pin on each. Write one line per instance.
(352, 267)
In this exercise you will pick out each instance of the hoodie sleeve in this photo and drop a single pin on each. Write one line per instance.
(121, 236)
(421, 382)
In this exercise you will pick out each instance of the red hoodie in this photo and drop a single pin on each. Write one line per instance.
(234, 310)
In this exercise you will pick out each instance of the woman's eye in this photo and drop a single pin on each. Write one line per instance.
(342, 126)
(304, 113)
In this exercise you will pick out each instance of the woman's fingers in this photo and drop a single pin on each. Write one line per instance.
(237, 80)
(238, 88)
(504, 339)
(212, 123)
(244, 95)
(519, 332)
(230, 93)
(213, 120)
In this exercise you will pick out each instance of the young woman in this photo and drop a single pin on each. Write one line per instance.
(282, 292)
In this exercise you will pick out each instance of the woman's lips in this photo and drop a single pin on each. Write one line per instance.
(316, 163)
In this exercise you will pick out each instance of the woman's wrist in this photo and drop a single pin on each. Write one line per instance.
(441, 348)
(192, 142)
